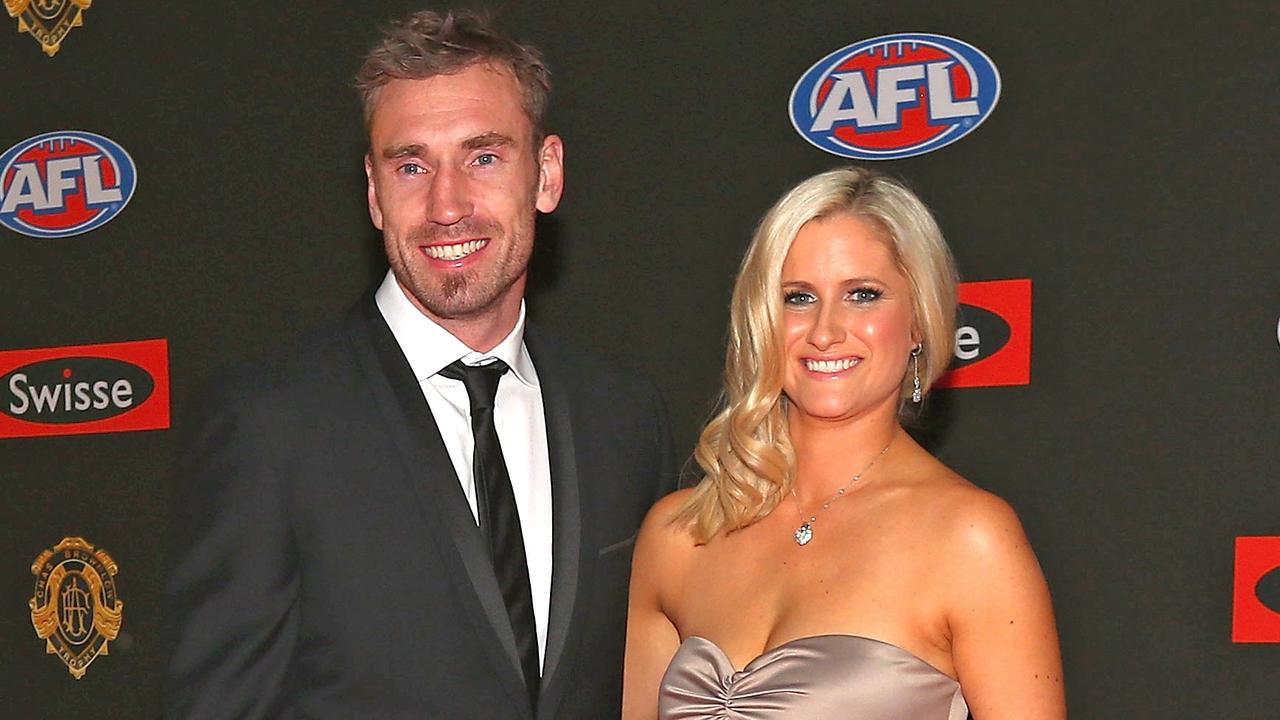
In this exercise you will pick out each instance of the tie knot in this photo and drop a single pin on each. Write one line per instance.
(481, 381)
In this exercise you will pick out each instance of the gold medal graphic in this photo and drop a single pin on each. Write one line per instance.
(48, 21)
(75, 609)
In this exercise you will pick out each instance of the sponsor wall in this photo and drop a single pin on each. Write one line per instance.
(171, 202)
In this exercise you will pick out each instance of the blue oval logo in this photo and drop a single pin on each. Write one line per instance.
(64, 183)
(895, 96)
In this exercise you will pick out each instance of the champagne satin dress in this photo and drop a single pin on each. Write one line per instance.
(822, 677)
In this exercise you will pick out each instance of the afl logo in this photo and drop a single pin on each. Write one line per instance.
(64, 183)
(895, 96)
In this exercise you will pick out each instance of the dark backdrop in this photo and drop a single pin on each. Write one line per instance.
(1129, 171)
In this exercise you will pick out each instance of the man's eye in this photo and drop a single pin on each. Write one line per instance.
(411, 169)
(798, 298)
(486, 159)
(864, 294)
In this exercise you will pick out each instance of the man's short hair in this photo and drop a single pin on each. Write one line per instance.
(426, 44)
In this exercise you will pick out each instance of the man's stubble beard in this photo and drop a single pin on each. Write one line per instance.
(460, 295)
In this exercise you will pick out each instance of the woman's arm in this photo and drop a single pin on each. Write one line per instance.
(1003, 639)
(652, 638)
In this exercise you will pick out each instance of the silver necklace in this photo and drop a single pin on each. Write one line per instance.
(804, 533)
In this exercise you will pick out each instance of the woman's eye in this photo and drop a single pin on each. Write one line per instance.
(798, 298)
(864, 294)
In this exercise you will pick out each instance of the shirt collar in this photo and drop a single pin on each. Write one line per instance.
(429, 347)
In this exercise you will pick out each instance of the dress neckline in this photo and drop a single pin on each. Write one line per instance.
(782, 647)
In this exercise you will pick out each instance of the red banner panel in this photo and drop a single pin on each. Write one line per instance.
(993, 335)
(113, 387)
(1255, 616)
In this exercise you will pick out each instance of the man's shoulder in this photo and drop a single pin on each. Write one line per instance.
(310, 361)
(582, 368)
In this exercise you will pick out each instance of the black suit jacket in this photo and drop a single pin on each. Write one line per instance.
(328, 565)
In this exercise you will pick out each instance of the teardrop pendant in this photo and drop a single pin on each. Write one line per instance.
(804, 534)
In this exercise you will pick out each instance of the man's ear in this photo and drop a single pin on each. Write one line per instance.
(375, 210)
(550, 173)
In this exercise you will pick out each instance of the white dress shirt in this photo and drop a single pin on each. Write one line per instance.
(518, 416)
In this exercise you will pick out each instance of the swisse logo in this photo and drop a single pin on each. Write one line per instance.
(1255, 615)
(64, 183)
(114, 387)
(992, 344)
(980, 335)
(75, 389)
(895, 96)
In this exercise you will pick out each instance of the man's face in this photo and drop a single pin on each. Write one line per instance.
(454, 185)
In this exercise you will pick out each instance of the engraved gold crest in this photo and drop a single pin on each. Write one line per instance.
(48, 21)
(75, 608)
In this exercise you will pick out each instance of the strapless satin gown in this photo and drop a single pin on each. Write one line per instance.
(822, 677)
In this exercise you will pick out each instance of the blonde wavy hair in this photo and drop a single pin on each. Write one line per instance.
(745, 451)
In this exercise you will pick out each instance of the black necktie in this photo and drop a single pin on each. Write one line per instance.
(496, 507)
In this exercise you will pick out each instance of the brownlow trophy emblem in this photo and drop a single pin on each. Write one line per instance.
(76, 610)
(48, 21)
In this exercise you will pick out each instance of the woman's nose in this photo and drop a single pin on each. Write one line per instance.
(827, 328)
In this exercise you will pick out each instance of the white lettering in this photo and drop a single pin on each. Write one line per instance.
(890, 95)
(71, 396)
(94, 193)
(100, 394)
(967, 342)
(26, 189)
(849, 98)
(852, 86)
(122, 393)
(82, 396)
(942, 99)
(15, 386)
(58, 181)
(46, 395)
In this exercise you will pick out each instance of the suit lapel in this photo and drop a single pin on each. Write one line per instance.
(566, 511)
(432, 480)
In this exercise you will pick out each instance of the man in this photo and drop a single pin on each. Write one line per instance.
(369, 528)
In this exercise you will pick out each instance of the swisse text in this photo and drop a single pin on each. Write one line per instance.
(968, 343)
(73, 390)
(45, 398)
(981, 334)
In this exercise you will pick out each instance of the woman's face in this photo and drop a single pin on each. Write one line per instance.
(847, 320)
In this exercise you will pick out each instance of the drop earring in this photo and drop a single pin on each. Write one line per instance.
(916, 395)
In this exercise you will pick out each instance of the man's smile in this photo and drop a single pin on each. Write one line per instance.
(454, 251)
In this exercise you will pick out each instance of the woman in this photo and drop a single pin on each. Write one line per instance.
(827, 566)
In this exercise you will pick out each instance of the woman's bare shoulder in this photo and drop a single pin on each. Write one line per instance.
(663, 552)
(971, 522)
(662, 531)
(980, 540)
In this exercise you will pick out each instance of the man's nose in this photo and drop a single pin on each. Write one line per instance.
(449, 199)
